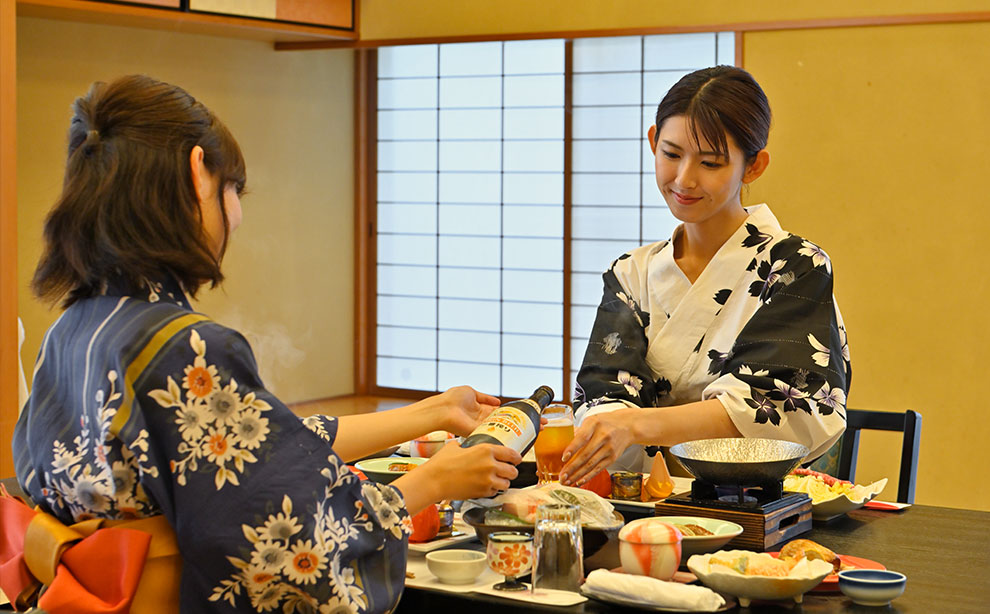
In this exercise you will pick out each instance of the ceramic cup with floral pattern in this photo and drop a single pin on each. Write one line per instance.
(510, 553)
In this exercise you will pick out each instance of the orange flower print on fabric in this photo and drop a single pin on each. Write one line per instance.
(199, 381)
(216, 445)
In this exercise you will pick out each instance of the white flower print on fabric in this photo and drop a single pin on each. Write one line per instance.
(611, 343)
(768, 275)
(821, 354)
(817, 255)
(217, 425)
(747, 370)
(631, 383)
(829, 399)
(386, 503)
(315, 424)
(285, 563)
(844, 342)
(632, 305)
(84, 482)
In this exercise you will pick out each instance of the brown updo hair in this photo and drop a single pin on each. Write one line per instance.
(720, 100)
(128, 208)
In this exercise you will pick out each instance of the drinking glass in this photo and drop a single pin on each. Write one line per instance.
(553, 438)
(558, 550)
(510, 553)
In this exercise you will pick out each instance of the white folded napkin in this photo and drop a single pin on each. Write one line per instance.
(650, 591)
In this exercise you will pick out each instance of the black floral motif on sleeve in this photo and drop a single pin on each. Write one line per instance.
(756, 238)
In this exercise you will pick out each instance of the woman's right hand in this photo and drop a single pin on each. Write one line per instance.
(459, 473)
(599, 440)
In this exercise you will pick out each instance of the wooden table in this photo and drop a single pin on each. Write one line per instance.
(944, 552)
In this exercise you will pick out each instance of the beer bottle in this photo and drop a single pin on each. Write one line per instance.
(514, 424)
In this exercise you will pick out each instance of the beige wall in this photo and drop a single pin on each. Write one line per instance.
(290, 265)
(881, 154)
(388, 19)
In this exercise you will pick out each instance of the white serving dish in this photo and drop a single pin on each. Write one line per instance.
(805, 576)
(829, 509)
(724, 531)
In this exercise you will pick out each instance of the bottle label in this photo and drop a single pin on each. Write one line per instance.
(510, 426)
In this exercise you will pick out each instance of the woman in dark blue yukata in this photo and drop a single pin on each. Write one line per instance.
(142, 407)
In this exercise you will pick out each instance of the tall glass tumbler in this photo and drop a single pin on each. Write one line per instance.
(558, 550)
(551, 441)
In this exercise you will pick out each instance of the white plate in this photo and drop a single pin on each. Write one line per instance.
(467, 534)
(699, 544)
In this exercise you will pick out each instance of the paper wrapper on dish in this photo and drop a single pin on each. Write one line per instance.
(650, 591)
(523, 503)
(804, 576)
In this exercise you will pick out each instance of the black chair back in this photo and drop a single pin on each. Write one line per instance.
(908, 422)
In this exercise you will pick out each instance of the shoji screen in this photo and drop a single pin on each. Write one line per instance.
(470, 216)
(616, 206)
(471, 199)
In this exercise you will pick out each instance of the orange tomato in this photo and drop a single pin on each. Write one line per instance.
(426, 524)
(601, 484)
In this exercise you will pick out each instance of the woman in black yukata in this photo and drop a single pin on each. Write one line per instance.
(142, 407)
(728, 329)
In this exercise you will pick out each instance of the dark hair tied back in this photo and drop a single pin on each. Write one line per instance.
(128, 209)
(718, 101)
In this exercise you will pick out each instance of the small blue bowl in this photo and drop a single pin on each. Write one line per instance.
(874, 587)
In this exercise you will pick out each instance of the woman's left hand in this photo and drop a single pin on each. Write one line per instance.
(465, 408)
(599, 440)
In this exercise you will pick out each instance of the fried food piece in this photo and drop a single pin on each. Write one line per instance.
(806, 549)
(401, 466)
(754, 564)
(692, 530)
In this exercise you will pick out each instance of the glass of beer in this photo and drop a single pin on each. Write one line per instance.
(553, 438)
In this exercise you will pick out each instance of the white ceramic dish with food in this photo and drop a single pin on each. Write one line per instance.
(724, 531)
(827, 510)
(827, 504)
(803, 577)
(377, 469)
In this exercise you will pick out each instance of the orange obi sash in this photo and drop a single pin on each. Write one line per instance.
(95, 566)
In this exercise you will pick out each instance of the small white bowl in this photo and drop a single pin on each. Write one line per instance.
(456, 566)
(876, 587)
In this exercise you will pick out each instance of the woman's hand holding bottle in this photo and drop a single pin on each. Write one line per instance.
(459, 473)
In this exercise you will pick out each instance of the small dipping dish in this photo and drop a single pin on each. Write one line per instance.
(456, 566)
(873, 587)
